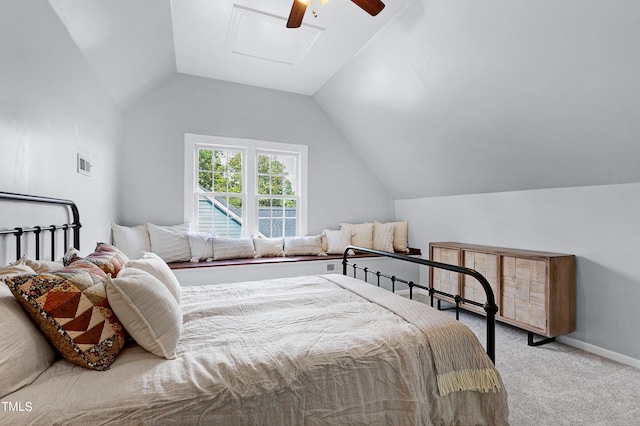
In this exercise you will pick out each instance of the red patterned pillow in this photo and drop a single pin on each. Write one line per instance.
(70, 307)
(107, 257)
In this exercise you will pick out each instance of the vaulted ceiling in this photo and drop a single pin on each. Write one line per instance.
(439, 97)
(133, 45)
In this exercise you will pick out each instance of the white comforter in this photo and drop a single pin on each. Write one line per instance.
(299, 351)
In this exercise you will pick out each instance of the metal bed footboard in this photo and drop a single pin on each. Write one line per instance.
(39, 231)
(490, 306)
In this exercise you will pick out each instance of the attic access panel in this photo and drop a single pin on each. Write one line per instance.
(262, 36)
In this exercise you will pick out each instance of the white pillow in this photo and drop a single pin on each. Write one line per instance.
(233, 248)
(40, 266)
(325, 246)
(170, 242)
(147, 310)
(154, 265)
(131, 240)
(201, 245)
(383, 236)
(338, 240)
(303, 246)
(364, 234)
(269, 247)
(19, 267)
(25, 353)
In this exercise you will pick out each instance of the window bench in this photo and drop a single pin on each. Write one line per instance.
(222, 271)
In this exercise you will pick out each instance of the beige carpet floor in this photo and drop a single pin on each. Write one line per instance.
(556, 384)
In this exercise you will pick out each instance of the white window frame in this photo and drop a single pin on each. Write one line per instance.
(250, 149)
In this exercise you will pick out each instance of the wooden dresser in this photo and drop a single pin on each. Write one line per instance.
(534, 290)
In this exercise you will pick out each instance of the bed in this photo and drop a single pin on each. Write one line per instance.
(311, 350)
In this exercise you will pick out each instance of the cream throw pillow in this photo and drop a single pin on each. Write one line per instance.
(269, 247)
(401, 236)
(131, 240)
(303, 246)
(338, 240)
(170, 242)
(154, 265)
(25, 353)
(233, 248)
(363, 234)
(201, 245)
(383, 236)
(147, 310)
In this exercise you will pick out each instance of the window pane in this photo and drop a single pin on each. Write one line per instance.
(226, 213)
(227, 166)
(220, 182)
(264, 227)
(227, 160)
(264, 185)
(290, 227)
(276, 174)
(205, 213)
(205, 159)
(205, 165)
(276, 228)
(263, 163)
(291, 210)
(205, 181)
(265, 210)
(223, 214)
(276, 185)
(235, 183)
(277, 217)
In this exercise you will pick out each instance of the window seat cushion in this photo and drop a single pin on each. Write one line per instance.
(281, 259)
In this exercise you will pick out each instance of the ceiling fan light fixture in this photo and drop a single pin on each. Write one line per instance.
(297, 13)
(372, 7)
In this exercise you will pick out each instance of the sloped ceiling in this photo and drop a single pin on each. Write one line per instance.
(496, 95)
(439, 97)
(129, 44)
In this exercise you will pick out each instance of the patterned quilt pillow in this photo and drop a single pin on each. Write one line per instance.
(71, 309)
(107, 257)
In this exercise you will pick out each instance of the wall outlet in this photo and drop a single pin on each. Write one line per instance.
(331, 267)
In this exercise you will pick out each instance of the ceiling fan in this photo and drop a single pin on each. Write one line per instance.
(372, 7)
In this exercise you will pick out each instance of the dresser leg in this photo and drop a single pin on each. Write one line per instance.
(539, 342)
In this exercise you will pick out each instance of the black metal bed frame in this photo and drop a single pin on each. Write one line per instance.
(490, 306)
(18, 232)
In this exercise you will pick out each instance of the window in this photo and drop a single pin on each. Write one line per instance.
(241, 187)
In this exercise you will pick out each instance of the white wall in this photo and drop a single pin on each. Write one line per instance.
(598, 224)
(53, 106)
(341, 187)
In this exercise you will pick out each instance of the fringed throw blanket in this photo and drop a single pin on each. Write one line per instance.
(459, 360)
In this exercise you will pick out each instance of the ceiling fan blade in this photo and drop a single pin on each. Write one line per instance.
(296, 15)
(372, 7)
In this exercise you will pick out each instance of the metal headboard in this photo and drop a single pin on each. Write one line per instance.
(38, 231)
